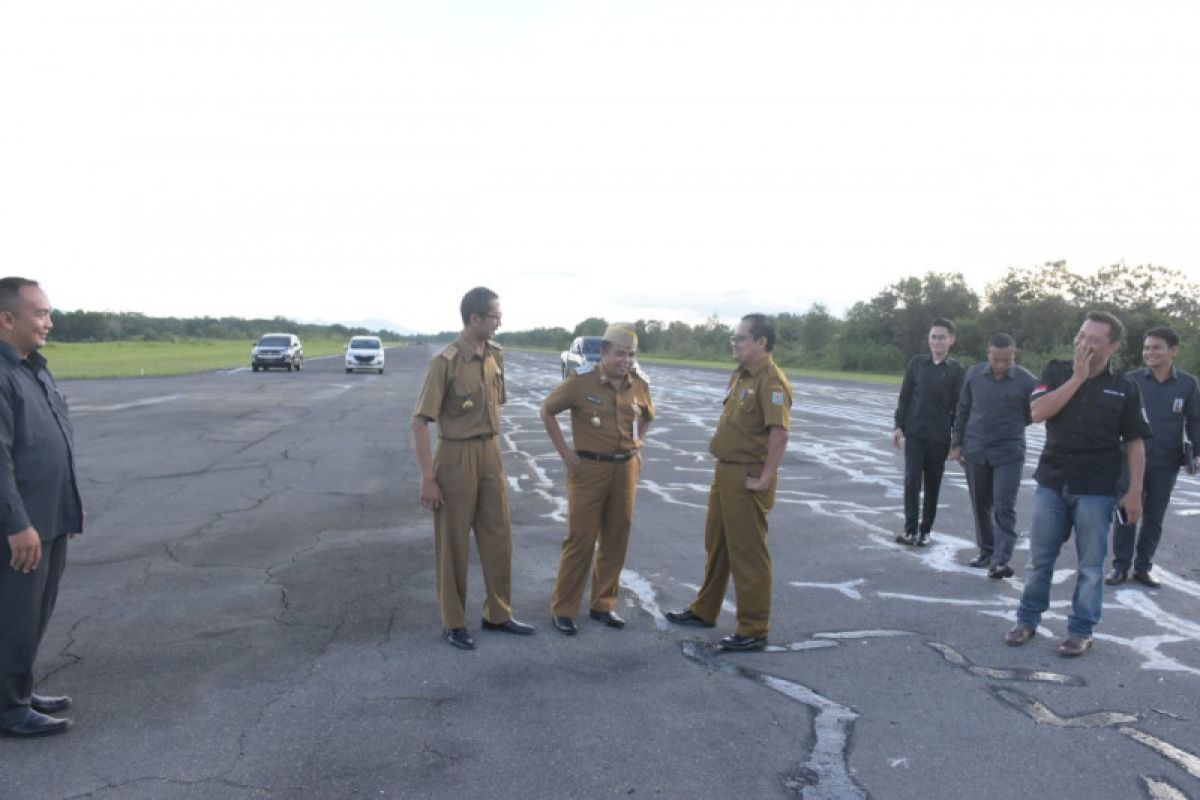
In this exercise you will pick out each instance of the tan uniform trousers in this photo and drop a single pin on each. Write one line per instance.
(471, 478)
(600, 497)
(735, 540)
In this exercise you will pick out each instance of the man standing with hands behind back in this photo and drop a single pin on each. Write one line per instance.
(749, 444)
(465, 485)
(1090, 411)
(39, 505)
(610, 413)
(924, 417)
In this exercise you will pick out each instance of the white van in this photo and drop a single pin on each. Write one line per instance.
(364, 352)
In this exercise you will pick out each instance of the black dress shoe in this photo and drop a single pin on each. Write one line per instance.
(686, 617)
(460, 639)
(980, 561)
(565, 625)
(609, 618)
(922, 540)
(741, 644)
(909, 539)
(509, 626)
(49, 705)
(35, 723)
(1116, 576)
(1146, 579)
(1000, 571)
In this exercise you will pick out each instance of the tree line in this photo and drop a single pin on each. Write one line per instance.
(104, 326)
(1041, 307)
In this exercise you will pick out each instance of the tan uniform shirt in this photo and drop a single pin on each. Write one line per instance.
(755, 399)
(618, 405)
(463, 391)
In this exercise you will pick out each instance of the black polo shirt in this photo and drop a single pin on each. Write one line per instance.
(928, 397)
(1083, 440)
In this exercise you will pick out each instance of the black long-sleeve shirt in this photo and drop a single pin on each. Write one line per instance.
(37, 459)
(928, 398)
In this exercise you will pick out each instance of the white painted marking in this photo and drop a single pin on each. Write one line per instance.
(1161, 790)
(726, 606)
(1181, 757)
(846, 588)
(643, 592)
(146, 401)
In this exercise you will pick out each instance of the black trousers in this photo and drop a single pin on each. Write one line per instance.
(26, 603)
(1157, 485)
(994, 500)
(924, 464)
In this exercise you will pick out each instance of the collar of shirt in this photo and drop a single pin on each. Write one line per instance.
(35, 359)
(614, 381)
(750, 372)
(1148, 375)
(988, 371)
(466, 351)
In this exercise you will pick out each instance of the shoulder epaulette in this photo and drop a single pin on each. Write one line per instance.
(449, 352)
(495, 345)
(584, 369)
(641, 373)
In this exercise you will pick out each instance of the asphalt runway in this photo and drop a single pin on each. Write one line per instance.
(251, 613)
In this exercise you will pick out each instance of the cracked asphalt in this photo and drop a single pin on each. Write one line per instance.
(251, 613)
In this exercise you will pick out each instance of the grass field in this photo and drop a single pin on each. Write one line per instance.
(69, 360)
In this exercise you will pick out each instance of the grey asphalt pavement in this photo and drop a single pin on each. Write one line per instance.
(251, 613)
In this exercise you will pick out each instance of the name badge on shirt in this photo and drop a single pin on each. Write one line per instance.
(591, 398)
(1177, 406)
(1114, 392)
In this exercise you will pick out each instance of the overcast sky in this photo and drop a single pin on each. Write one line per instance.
(349, 160)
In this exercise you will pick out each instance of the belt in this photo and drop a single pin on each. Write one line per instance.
(482, 436)
(609, 458)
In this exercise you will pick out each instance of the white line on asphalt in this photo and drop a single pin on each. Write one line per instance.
(146, 401)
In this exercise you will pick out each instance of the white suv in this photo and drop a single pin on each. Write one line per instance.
(365, 352)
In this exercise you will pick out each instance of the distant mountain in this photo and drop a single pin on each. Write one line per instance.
(369, 324)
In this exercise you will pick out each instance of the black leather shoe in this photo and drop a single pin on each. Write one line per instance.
(460, 639)
(609, 618)
(49, 705)
(742, 644)
(510, 626)
(565, 625)
(36, 724)
(1146, 579)
(906, 538)
(923, 540)
(1000, 572)
(980, 561)
(1116, 576)
(686, 617)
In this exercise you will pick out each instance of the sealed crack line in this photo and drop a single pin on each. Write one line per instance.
(1038, 712)
(826, 772)
(1160, 789)
(1178, 756)
(1004, 673)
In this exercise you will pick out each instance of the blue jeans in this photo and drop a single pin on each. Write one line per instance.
(1054, 515)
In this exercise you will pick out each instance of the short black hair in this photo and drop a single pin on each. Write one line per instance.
(761, 327)
(1002, 341)
(477, 301)
(1166, 334)
(10, 291)
(1116, 328)
(942, 322)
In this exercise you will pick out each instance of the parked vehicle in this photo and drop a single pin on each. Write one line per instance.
(365, 352)
(584, 350)
(281, 350)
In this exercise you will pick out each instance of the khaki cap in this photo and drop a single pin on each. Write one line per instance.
(622, 334)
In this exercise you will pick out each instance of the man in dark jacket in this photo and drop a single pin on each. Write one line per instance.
(39, 505)
(924, 417)
(1172, 401)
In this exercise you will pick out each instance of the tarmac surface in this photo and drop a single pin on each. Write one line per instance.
(251, 613)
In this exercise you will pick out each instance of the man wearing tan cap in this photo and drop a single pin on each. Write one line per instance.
(465, 485)
(749, 444)
(611, 411)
